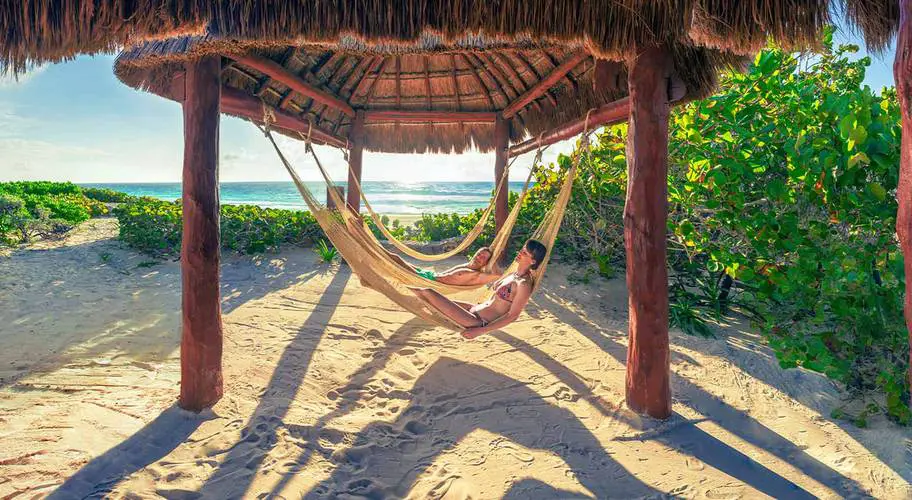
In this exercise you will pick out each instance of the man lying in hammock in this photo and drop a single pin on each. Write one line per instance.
(470, 273)
(511, 293)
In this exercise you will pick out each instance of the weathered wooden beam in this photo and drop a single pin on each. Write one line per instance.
(373, 83)
(425, 116)
(501, 144)
(201, 325)
(239, 103)
(355, 154)
(377, 67)
(455, 82)
(279, 73)
(360, 69)
(614, 112)
(484, 67)
(902, 74)
(540, 88)
(645, 225)
(481, 84)
(518, 54)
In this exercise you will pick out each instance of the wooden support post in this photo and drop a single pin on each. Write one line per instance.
(356, 144)
(501, 153)
(902, 73)
(645, 215)
(201, 336)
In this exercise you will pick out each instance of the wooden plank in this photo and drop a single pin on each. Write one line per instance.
(645, 216)
(614, 112)
(541, 88)
(902, 73)
(355, 155)
(279, 73)
(201, 325)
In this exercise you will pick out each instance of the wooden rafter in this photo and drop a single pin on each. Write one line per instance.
(237, 102)
(455, 83)
(614, 112)
(481, 84)
(398, 82)
(535, 74)
(497, 86)
(427, 81)
(281, 74)
(363, 80)
(362, 64)
(554, 65)
(541, 88)
(373, 83)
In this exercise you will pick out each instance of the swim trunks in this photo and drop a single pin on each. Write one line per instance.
(426, 274)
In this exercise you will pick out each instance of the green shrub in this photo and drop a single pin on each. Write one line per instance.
(150, 225)
(39, 188)
(326, 252)
(155, 227)
(105, 195)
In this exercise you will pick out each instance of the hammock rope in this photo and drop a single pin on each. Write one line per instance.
(472, 235)
(372, 264)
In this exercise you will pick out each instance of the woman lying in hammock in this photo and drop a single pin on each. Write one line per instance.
(470, 273)
(511, 293)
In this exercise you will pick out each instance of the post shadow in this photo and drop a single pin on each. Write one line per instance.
(349, 395)
(451, 400)
(174, 426)
(701, 445)
(260, 430)
(152, 443)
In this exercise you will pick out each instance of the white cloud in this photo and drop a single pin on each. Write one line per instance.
(8, 80)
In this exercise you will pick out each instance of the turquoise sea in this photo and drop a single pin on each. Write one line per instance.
(384, 197)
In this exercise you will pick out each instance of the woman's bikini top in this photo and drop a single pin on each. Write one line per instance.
(506, 291)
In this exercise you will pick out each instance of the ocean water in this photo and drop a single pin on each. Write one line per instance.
(384, 197)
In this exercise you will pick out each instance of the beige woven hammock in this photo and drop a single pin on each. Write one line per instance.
(367, 258)
(497, 247)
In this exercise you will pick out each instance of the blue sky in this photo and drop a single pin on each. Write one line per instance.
(74, 121)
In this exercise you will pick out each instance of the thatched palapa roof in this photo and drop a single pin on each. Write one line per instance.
(417, 55)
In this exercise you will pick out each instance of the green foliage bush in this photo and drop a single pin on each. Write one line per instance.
(41, 208)
(105, 195)
(155, 227)
(781, 203)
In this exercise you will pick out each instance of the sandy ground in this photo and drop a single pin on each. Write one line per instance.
(332, 391)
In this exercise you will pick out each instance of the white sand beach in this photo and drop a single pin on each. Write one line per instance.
(331, 391)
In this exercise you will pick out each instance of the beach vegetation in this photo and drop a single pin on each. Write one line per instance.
(326, 251)
(30, 209)
(782, 207)
(155, 227)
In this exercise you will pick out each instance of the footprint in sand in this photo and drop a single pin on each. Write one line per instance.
(728, 491)
(512, 450)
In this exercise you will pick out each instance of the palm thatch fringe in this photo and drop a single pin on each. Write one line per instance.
(46, 30)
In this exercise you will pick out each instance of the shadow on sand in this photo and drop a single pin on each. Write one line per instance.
(452, 399)
(690, 440)
(161, 436)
